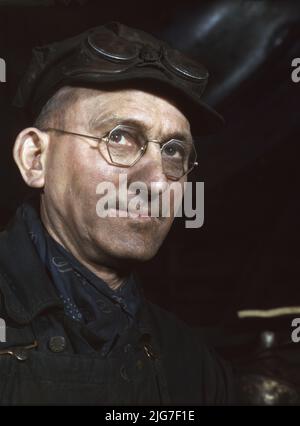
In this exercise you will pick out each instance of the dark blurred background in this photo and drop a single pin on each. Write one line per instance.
(246, 254)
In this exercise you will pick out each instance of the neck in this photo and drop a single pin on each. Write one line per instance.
(112, 276)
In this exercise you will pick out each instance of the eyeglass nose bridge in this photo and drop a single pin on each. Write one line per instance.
(144, 149)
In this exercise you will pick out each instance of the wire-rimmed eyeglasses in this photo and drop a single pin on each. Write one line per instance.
(125, 145)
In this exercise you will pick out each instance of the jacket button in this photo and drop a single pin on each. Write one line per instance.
(127, 347)
(57, 344)
(124, 374)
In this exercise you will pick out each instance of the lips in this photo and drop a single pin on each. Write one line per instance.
(144, 211)
(134, 217)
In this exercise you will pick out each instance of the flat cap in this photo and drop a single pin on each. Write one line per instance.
(114, 54)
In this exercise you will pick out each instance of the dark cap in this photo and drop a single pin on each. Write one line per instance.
(114, 54)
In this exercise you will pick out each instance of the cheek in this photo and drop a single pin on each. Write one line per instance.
(73, 174)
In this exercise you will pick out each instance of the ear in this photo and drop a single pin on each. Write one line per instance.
(29, 153)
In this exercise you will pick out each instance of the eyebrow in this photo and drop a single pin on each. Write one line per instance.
(106, 123)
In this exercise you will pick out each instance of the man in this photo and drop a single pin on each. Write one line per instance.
(109, 103)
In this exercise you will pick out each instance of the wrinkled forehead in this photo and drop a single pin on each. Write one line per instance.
(97, 108)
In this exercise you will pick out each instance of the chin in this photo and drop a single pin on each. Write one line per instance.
(134, 247)
(135, 254)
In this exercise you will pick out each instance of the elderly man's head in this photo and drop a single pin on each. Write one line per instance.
(69, 169)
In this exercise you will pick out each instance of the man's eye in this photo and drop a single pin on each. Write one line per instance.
(118, 137)
(174, 151)
(122, 137)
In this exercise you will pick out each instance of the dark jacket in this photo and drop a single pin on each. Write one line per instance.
(162, 362)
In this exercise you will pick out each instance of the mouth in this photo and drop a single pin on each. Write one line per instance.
(142, 217)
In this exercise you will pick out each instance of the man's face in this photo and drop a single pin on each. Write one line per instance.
(74, 168)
